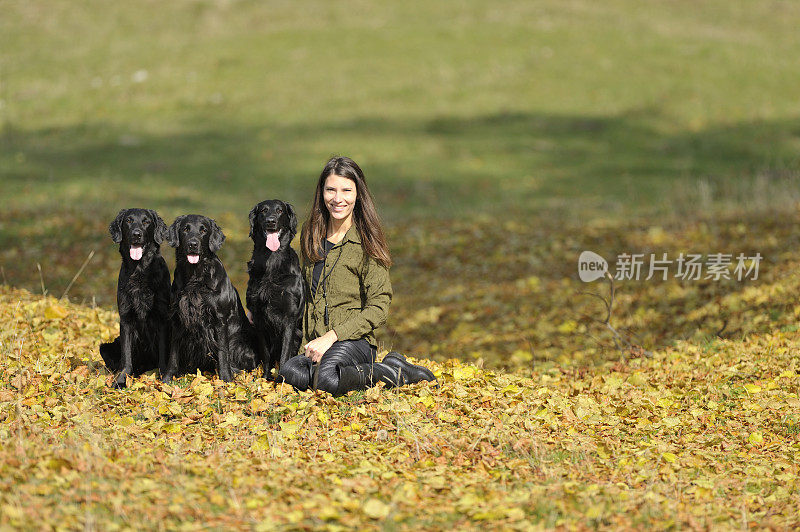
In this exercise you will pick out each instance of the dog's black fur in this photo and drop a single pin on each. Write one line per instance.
(210, 329)
(275, 294)
(143, 296)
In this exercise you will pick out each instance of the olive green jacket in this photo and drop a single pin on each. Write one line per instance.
(358, 293)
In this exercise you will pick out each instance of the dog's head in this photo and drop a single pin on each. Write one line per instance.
(136, 229)
(193, 237)
(274, 223)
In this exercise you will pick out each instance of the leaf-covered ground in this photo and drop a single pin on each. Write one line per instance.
(502, 290)
(696, 436)
(507, 291)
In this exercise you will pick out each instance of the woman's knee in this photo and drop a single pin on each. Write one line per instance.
(327, 375)
(297, 372)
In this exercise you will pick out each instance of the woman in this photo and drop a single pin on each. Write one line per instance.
(346, 267)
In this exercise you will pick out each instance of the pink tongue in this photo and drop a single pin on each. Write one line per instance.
(136, 252)
(272, 241)
(193, 259)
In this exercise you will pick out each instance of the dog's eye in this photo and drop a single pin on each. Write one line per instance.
(278, 210)
(146, 223)
(129, 220)
(202, 229)
(185, 228)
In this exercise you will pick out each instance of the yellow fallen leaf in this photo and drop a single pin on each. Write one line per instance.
(594, 511)
(752, 388)
(755, 438)
(55, 312)
(515, 514)
(426, 400)
(520, 355)
(289, 426)
(567, 327)
(669, 457)
(637, 379)
(328, 513)
(258, 405)
(437, 482)
(231, 420)
(202, 387)
(171, 428)
(447, 417)
(463, 373)
(375, 509)
(261, 443)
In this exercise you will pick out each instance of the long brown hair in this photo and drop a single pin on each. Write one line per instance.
(365, 217)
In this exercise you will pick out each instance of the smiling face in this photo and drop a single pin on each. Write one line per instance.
(270, 221)
(194, 236)
(339, 194)
(134, 229)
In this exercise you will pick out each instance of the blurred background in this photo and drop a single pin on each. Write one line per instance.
(500, 139)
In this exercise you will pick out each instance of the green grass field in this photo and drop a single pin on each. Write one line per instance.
(453, 109)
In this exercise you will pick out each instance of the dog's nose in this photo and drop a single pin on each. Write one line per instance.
(272, 220)
(137, 233)
(193, 245)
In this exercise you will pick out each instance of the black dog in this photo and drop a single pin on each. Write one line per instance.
(209, 326)
(275, 294)
(143, 296)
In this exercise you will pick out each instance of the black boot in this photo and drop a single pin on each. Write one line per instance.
(296, 371)
(363, 376)
(111, 355)
(409, 373)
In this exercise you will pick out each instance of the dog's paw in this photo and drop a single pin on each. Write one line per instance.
(121, 381)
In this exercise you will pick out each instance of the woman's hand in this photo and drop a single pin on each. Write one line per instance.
(317, 347)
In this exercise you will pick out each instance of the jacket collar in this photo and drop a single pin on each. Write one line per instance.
(351, 235)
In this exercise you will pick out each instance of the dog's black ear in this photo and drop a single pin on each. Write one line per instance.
(116, 227)
(252, 216)
(172, 233)
(160, 230)
(216, 238)
(292, 221)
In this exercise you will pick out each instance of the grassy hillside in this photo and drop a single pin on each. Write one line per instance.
(696, 437)
(511, 104)
(564, 111)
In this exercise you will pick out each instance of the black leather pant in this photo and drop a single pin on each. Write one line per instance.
(300, 372)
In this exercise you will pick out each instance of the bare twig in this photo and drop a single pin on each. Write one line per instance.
(620, 342)
(718, 334)
(91, 254)
(41, 278)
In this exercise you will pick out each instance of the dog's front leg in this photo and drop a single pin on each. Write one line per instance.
(264, 353)
(163, 346)
(126, 356)
(287, 344)
(172, 361)
(224, 354)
